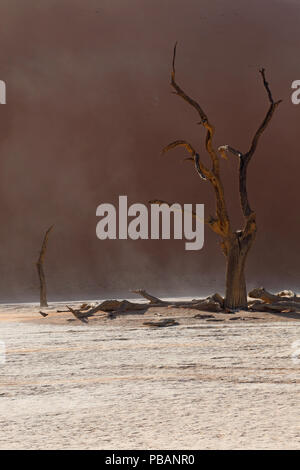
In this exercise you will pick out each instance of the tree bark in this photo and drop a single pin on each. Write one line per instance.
(236, 254)
(40, 269)
(269, 298)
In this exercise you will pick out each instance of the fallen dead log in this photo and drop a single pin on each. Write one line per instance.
(284, 301)
(210, 303)
(117, 306)
(217, 298)
(283, 307)
(267, 297)
(107, 306)
(113, 307)
(207, 305)
(77, 314)
(213, 304)
(151, 298)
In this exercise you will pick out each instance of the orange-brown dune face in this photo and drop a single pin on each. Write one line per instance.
(88, 111)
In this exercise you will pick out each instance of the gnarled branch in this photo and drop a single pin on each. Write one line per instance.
(213, 174)
(203, 172)
(268, 117)
(179, 91)
(226, 148)
(203, 116)
(246, 157)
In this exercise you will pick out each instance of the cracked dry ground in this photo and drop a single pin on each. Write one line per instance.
(116, 384)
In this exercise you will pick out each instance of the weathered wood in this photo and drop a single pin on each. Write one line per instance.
(207, 305)
(221, 223)
(286, 293)
(283, 306)
(217, 298)
(263, 294)
(117, 307)
(77, 314)
(108, 306)
(236, 254)
(151, 298)
(213, 303)
(40, 269)
(235, 245)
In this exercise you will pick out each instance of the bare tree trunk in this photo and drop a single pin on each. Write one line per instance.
(236, 293)
(40, 269)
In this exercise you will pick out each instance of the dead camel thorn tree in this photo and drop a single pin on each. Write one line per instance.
(40, 269)
(235, 244)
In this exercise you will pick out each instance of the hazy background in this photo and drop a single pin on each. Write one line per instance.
(89, 109)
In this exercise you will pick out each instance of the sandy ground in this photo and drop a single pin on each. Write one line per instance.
(213, 383)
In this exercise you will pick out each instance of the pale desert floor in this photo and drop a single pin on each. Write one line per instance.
(116, 384)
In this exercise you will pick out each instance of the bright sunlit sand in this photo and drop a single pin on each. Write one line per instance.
(207, 383)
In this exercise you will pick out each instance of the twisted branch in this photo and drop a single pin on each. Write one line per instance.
(212, 175)
(268, 117)
(203, 116)
(246, 157)
(203, 172)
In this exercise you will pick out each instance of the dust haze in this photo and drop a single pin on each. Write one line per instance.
(89, 108)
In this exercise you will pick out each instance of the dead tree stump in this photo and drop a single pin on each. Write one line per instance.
(40, 269)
